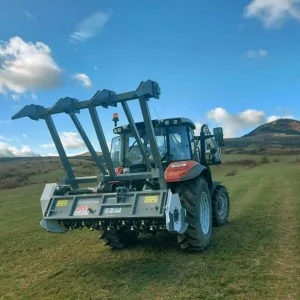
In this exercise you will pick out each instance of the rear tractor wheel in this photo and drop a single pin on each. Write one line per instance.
(196, 199)
(220, 205)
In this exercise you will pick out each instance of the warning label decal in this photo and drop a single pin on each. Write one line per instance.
(81, 210)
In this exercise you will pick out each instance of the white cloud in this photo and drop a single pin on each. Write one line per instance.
(273, 13)
(30, 15)
(251, 54)
(83, 79)
(232, 124)
(274, 118)
(27, 66)
(7, 150)
(70, 140)
(16, 97)
(90, 26)
(24, 135)
(198, 128)
(45, 146)
(34, 96)
(51, 154)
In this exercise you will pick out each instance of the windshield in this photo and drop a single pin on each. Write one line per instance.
(116, 151)
(125, 150)
(179, 143)
(134, 156)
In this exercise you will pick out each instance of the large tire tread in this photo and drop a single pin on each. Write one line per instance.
(217, 221)
(193, 239)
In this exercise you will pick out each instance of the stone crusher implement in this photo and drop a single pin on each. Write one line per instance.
(156, 176)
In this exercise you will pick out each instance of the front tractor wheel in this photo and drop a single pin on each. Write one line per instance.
(220, 205)
(195, 197)
(119, 239)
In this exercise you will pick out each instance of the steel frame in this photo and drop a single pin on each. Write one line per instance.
(102, 98)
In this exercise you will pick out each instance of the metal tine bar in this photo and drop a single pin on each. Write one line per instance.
(102, 140)
(32, 111)
(136, 134)
(68, 106)
(61, 151)
(152, 140)
(37, 111)
(148, 89)
(104, 98)
(88, 143)
(116, 99)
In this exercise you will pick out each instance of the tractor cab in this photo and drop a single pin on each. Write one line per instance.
(174, 138)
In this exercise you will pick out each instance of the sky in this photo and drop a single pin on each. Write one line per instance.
(224, 63)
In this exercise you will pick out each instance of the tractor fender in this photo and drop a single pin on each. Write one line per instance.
(185, 170)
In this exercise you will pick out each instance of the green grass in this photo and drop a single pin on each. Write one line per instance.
(254, 256)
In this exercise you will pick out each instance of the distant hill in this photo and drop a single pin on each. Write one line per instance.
(281, 126)
(88, 154)
(279, 137)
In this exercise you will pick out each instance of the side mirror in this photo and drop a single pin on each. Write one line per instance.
(218, 134)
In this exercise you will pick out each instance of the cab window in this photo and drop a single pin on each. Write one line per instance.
(180, 147)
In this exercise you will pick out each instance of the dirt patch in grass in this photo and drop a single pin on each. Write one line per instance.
(248, 163)
(231, 173)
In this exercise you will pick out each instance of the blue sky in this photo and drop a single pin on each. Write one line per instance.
(228, 63)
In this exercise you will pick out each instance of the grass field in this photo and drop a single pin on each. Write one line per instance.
(255, 256)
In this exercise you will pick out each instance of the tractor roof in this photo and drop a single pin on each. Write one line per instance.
(158, 123)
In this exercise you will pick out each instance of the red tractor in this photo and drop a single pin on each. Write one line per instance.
(155, 177)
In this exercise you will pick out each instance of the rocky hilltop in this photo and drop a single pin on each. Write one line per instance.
(281, 126)
(279, 137)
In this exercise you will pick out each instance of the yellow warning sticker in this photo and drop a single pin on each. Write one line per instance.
(62, 203)
(151, 199)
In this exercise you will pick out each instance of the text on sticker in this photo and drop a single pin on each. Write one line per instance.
(62, 203)
(151, 199)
